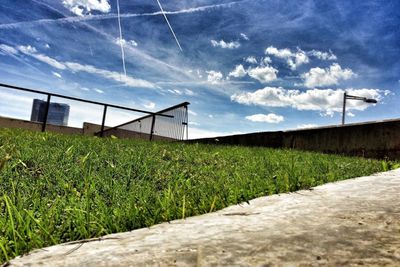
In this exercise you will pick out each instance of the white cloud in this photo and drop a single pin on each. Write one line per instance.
(306, 126)
(113, 16)
(350, 114)
(189, 92)
(50, 61)
(149, 105)
(281, 53)
(270, 118)
(293, 59)
(186, 92)
(175, 91)
(83, 7)
(77, 67)
(27, 49)
(267, 60)
(47, 46)
(238, 72)
(8, 49)
(299, 59)
(133, 43)
(318, 77)
(119, 41)
(111, 75)
(194, 123)
(263, 74)
(199, 73)
(244, 36)
(214, 77)
(327, 113)
(99, 91)
(223, 44)
(58, 75)
(269, 96)
(322, 55)
(31, 51)
(327, 101)
(191, 112)
(251, 60)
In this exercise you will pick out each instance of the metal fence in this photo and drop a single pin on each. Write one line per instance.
(170, 123)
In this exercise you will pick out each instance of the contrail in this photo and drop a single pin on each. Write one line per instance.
(169, 25)
(23, 62)
(120, 39)
(114, 16)
(135, 50)
(111, 39)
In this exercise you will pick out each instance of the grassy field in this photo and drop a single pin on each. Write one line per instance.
(56, 188)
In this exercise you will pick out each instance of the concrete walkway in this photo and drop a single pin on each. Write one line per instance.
(353, 222)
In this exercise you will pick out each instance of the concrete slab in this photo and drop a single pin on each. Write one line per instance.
(353, 222)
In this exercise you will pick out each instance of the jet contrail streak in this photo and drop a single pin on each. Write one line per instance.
(169, 25)
(120, 39)
(113, 16)
(108, 37)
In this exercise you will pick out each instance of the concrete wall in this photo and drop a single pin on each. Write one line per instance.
(91, 128)
(373, 139)
(121, 133)
(37, 126)
(88, 129)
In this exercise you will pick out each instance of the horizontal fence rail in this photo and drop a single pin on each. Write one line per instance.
(176, 117)
(170, 123)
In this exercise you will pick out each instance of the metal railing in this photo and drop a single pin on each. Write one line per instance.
(169, 123)
(164, 114)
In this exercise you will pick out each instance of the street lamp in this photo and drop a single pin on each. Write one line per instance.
(352, 97)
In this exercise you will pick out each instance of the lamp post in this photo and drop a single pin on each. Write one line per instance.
(352, 97)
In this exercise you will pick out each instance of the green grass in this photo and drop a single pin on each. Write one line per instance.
(56, 188)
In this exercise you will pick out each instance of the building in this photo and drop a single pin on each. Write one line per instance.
(58, 113)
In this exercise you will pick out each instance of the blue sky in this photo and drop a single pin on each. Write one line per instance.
(245, 66)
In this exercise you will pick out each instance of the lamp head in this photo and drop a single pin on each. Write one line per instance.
(370, 100)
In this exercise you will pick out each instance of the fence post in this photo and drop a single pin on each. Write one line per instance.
(103, 120)
(46, 113)
(152, 127)
(187, 122)
(344, 107)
